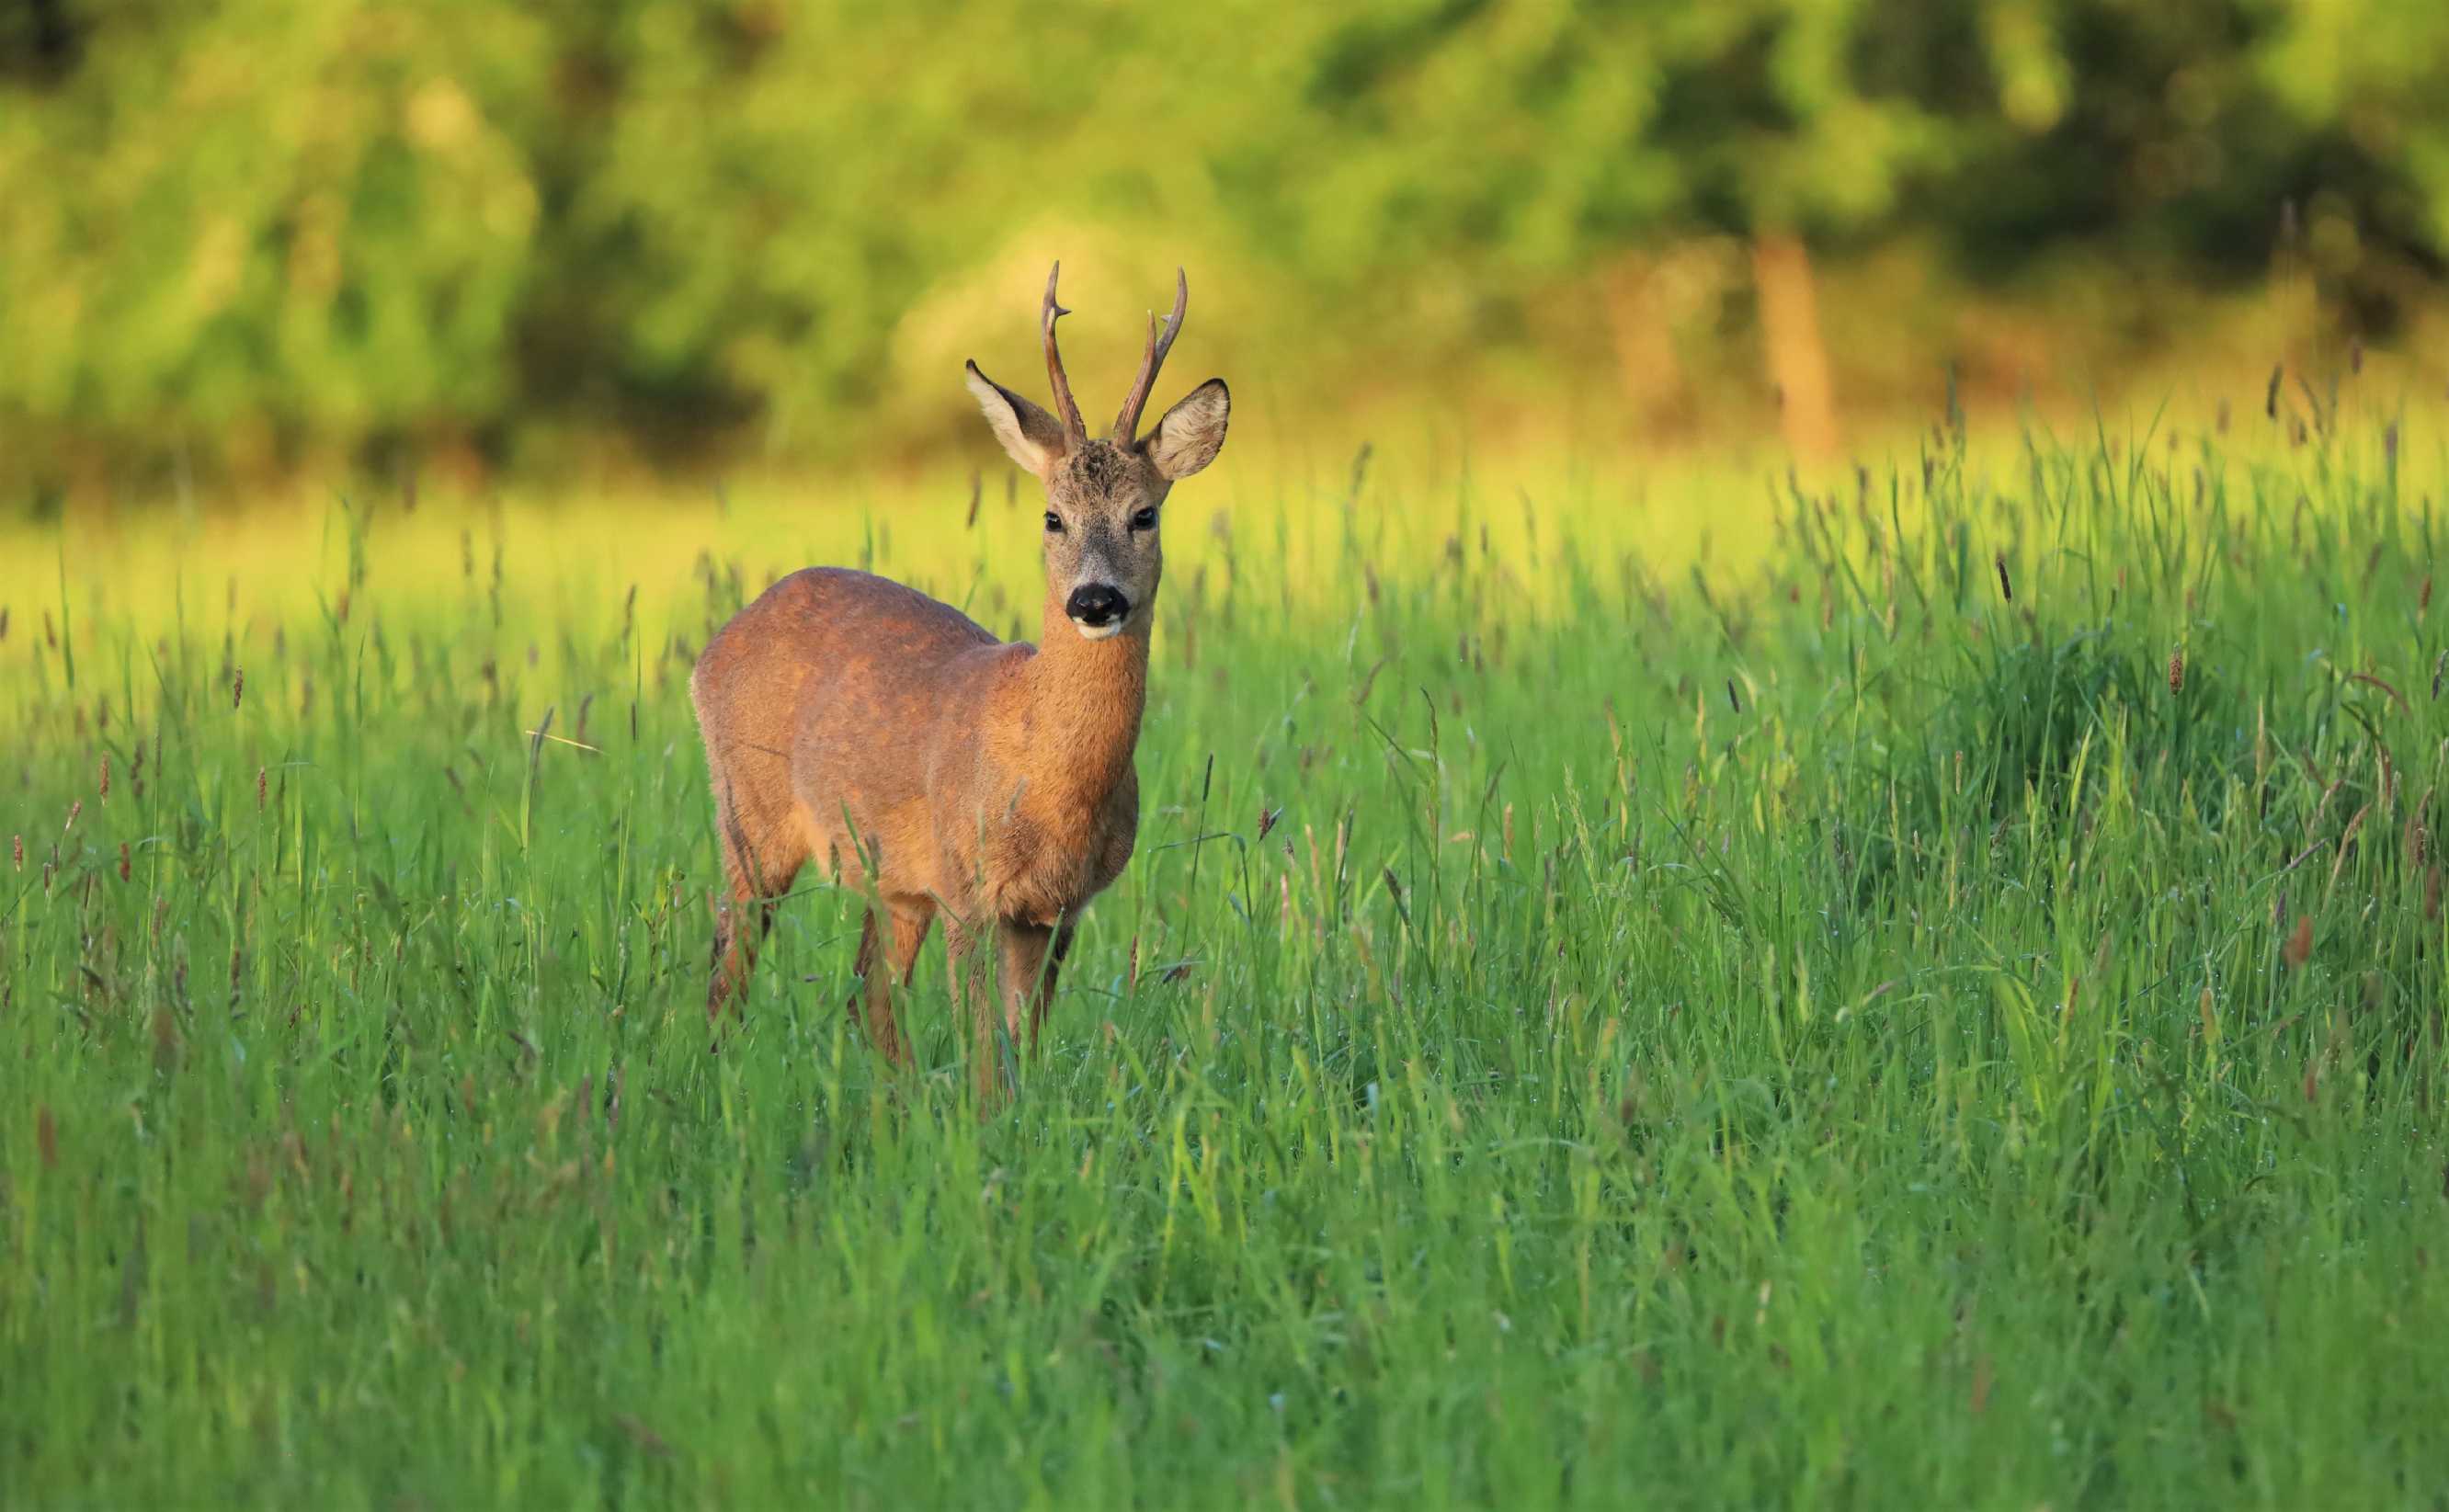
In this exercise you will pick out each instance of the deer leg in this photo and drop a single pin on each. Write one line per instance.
(755, 881)
(899, 959)
(1062, 933)
(972, 983)
(863, 990)
(740, 928)
(1033, 955)
(910, 926)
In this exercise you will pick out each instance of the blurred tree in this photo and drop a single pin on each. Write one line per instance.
(1507, 145)
(261, 232)
(2172, 135)
(253, 224)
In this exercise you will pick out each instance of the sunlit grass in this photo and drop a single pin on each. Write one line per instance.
(1932, 1000)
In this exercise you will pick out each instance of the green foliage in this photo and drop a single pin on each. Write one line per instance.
(267, 230)
(1832, 1034)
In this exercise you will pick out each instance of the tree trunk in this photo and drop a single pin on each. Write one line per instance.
(1798, 360)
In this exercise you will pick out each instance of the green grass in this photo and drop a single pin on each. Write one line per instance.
(1804, 1028)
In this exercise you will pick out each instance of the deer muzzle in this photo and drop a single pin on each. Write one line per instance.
(1099, 609)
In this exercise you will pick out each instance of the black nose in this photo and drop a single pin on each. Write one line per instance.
(1097, 603)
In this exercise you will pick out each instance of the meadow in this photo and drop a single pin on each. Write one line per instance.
(1916, 983)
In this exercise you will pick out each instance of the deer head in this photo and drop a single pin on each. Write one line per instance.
(1105, 497)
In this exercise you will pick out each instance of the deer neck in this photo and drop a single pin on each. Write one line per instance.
(1085, 701)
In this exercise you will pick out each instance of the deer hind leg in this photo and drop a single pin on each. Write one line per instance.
(761, 857)
(1033, 956)
(899, 958)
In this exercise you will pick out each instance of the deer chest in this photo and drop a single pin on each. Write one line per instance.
(1035, 862)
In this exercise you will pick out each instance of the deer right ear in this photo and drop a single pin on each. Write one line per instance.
(1030, 435)
(1191, 433)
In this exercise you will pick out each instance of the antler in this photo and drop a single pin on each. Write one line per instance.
(1127, 424)
(1075, 431)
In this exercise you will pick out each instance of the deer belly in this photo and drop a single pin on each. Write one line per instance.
(883, 848)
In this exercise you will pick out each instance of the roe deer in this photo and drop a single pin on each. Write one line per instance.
(860, 725)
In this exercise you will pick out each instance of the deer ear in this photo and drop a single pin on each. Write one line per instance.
(1030, 435)
(1191, 433)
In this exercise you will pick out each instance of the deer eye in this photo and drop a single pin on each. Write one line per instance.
(1145, 519)
(1053, 523)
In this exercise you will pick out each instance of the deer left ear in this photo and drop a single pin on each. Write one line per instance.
(1030, 435)
(1191, 433)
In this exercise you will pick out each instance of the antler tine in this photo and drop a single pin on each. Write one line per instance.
(1127, 424)
(1067, 409)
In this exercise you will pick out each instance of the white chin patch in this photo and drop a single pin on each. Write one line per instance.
(1100, 632)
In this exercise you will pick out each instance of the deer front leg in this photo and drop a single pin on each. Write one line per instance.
(1033, 955)
(974, 987)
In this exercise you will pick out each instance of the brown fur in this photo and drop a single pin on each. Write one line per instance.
(858, 724)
